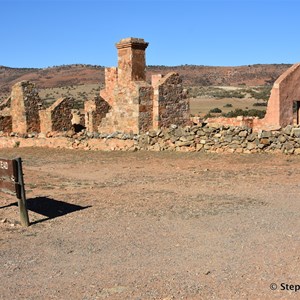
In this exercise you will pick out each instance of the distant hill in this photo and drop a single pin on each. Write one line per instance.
(66, 75)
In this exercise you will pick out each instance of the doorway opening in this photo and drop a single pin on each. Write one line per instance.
(296, 111)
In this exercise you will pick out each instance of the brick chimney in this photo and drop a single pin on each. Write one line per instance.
(131, 60)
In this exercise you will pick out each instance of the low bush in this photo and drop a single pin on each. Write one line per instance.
(228, 105)
(260, 104)
(246, 113)
(215, 110)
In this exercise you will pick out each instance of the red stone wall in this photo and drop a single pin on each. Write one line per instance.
(170, 103)
(6, 124)
(145, 108)
(25, 104)
(285, 91)
(111, 80)
(58, 117)
(61, 114)
(95, 111)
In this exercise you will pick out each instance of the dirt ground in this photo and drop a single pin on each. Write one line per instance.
(152, 226)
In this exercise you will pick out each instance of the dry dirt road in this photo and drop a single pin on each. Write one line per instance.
(152, 226)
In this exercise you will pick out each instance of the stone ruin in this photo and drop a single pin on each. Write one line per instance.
(128, 103)
(60, 116)
(135, 105)
(20, 112)
(131, 105)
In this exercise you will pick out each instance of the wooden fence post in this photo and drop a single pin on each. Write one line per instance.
(22, 197)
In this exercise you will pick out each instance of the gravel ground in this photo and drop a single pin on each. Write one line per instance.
(116, 225)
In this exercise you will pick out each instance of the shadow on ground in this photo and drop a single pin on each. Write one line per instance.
(50, 208)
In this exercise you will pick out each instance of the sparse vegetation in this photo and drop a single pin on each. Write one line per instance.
(228, 105)
(246, 113)
(260, 93)
(260, 104)
(215, 110)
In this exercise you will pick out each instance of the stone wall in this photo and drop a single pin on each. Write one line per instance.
(95, 111)
(25, 105)
(219, 138)
(199, 138)
(5, 117)
(57, 117)
(170, 104)
(285, 91)
(5, 123)
(111, 80)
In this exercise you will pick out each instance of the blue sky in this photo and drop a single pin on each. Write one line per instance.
(44, 33)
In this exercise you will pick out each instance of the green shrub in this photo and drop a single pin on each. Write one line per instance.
(260, 104)
(246, 113)
(215, 110)
(228, 105)
(261, 93)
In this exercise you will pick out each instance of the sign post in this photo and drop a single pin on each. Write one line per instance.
(12, 182)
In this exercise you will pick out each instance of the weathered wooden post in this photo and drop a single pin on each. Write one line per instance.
(11, 181)
(22, 197)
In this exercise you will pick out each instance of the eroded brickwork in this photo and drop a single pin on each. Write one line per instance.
(170, 104)
(95, 111)
(111, 79)
(25, 105)
(5, 123)
(58, 117)
(5, 117)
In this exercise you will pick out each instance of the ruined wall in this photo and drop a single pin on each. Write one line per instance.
(57, 117)
(5, 117)
(145, 100)
(285, 91)
(132, 111)
(170, 104)
(5, 123)
(127, 91)
(25, 105)
(95, 111)
(111, 80)
(238, 121)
